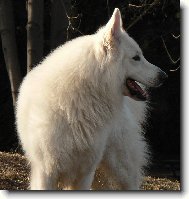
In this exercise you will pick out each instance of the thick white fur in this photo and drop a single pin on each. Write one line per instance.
(72, 115)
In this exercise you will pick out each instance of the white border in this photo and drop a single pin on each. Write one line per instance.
(185, 92)
(185, 135)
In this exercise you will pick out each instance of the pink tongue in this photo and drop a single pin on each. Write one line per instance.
(133, 85)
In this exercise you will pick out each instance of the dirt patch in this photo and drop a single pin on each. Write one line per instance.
(14, 175)
(14, 171)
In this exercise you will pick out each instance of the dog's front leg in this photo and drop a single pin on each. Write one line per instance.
(124, 159)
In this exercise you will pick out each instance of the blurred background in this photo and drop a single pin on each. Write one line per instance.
(31, 29)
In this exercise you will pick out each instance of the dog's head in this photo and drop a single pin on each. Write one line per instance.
(124, 52)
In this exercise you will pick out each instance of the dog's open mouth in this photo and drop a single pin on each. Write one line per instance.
(135, 91)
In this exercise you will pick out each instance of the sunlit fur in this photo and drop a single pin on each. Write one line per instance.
(72, 115)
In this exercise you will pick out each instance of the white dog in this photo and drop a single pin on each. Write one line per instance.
(82, 106)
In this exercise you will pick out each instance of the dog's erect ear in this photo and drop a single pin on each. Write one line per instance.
(113, 27)
(115, 22)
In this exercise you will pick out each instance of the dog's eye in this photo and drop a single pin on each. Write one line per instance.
(136, 58)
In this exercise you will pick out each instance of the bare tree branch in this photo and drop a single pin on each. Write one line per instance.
(170, 57)
(7, 29)
(70, 23)
(176, 37)
(59, 22)
(136, 6)
(173, 70)
(142, 14)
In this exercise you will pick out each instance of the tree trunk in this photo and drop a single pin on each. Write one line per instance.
(59, 22)
(34, 32)
(7, 29)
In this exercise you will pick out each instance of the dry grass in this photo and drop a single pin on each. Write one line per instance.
(14, 175)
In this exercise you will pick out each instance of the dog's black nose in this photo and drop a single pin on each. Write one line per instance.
(162, 76)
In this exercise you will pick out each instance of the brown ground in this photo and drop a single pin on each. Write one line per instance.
(14, 175)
